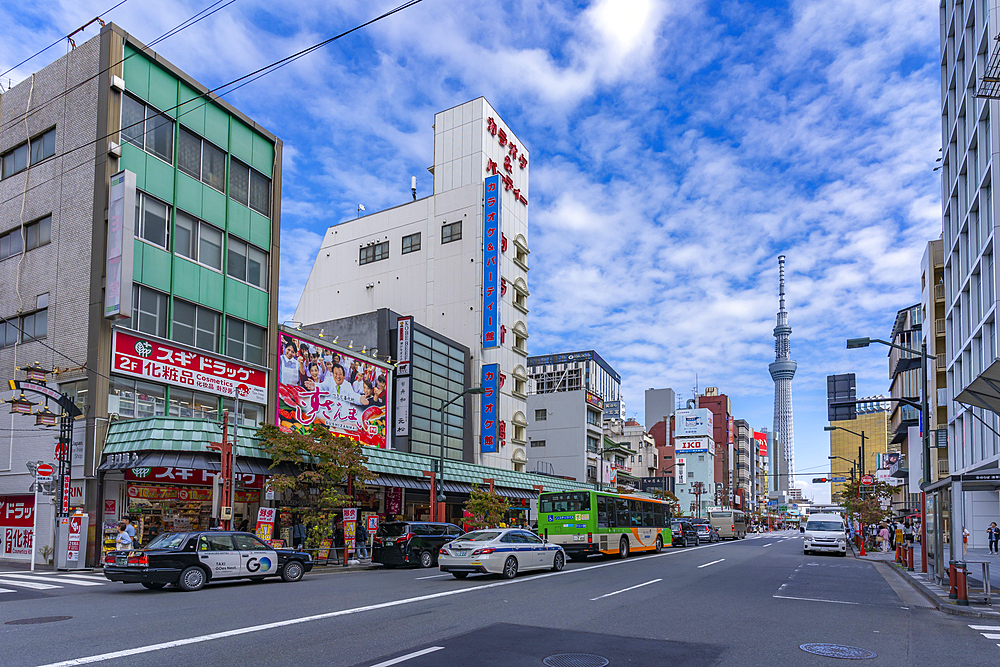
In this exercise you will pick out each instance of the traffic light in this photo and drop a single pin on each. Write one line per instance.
(820, 480)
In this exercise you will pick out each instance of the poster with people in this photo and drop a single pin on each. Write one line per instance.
(319, 384)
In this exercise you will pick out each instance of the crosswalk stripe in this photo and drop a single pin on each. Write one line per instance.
(97, 577)
(985, 627)
(27, 584)
(7, 590)
(64, 580)
(990, 635)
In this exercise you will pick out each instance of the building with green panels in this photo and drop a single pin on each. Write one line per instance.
(188, 279)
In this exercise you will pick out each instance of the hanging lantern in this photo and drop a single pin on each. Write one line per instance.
(35, 373)
(46, 417)
(20, 405)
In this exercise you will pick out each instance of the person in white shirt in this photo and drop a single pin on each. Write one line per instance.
(338, 387)
(290, 365)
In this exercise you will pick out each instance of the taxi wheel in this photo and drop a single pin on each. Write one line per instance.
(623, 548)
(659, 544)
(558, 562)
(153, 585)
(292, 571)
(426, 559)
(460, 575)
(510, 568)
(192, 578)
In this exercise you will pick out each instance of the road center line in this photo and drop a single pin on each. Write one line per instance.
(712, 563)
(409, 656)
(786, 597)
(630, 588)
(356, 610)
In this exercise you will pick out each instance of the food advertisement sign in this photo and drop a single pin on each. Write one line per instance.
(147, 358)
(317, 384)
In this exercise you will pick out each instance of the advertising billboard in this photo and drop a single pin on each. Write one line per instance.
(680, 472)
(15, 526)
(348, 394)
(693, 445)
(121, 231)
(761, 440)
(489, 407)
(692, 422)
(491, 263)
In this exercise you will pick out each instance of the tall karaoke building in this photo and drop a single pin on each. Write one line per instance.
(782, 372)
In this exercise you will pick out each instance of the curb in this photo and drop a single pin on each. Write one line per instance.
(935, 600)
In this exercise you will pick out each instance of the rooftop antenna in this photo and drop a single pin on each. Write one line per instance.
(361, 207)
(413, 187)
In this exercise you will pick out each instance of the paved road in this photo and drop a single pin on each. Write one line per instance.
(747, 603)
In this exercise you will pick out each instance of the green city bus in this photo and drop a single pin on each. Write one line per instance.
(588, 522)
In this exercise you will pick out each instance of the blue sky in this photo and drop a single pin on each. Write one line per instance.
(677, 149)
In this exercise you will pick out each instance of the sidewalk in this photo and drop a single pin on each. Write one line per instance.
(938, 595)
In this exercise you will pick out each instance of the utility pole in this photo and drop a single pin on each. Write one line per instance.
(699, 488)
(225, 449)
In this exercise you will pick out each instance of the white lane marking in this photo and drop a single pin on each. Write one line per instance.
(712, 563)
(768, 545)
(985, 627)
(990, 635)
(95, 575)
(356, 610)
(433, 576)
(786, 597)
(630, 588)
(409, 656)
(7, 590)
(72, 582)
(27, 584)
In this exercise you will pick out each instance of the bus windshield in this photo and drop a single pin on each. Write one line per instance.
(578, 501)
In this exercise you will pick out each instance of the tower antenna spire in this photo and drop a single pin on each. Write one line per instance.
(782, 371)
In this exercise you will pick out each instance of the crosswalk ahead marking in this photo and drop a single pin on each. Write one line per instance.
(65, 580)
(27, 584)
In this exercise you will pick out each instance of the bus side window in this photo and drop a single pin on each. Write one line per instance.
(635, 510)
(658, 519)
(621, 510)
(603, 519)
(648, 516)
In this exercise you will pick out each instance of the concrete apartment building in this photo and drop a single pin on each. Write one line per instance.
(566, 436)
(743, 464)
(724, 438)
(660, 404)
(198, 216)
(431, 259)
(904, 420)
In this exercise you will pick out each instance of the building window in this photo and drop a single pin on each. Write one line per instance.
(374, 253)
(198, 240)
(187, 403)
(452, 232)
(34, 326)
(195, 325)
(250, 187)
(149, 311)
(247, 263)
(152, 219)
(541, 415)
(250, 414)
(24, 238)
(134, 399)
(200, 159)
(147, 128)
(593, 417)
(77, 392)
(245, 341)
(537, 443)
(411, 243)
(37, 149)
(593, 444)
(8, 332)
(690, 475)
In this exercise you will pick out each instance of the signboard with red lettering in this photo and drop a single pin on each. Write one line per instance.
(15, 526)
(188, 476)
(73, 543)
(150, 359)
(691, 445)
(491, 262)
(265, 523)
(167, 493)
(761, 439)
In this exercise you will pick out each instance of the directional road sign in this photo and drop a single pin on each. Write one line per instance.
(839, 479)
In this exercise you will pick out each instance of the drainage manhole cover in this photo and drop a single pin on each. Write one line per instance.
(41, 619)
(575, 660)
(839, 651)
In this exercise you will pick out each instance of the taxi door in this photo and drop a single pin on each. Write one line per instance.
(219, 555)
(257, 559)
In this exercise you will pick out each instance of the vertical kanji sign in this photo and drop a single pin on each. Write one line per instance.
(490, 408)
(491, 262)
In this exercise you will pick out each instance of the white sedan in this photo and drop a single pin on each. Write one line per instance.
(504, 551)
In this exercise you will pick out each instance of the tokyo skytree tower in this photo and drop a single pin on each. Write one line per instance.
(782, 372)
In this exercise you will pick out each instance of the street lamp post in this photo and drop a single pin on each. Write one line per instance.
(440, 497)
(925, 419)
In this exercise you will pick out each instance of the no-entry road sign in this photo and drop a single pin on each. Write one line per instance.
(44, 470)
(867, 480)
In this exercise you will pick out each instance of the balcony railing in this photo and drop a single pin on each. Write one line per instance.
(939, 326)
(939, 292)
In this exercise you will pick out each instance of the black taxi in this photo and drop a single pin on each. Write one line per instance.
(190, 560)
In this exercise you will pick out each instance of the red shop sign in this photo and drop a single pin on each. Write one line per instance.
(149, 359)
(187, 476)
(16, 511)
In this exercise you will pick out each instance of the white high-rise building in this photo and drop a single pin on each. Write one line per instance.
(782, 371)
(456, 266)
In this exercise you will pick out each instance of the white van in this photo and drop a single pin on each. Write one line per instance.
(825, 532)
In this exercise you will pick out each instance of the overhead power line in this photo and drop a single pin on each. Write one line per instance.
(247, 78)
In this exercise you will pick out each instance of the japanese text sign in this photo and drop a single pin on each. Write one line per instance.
(149, 359)
(489, 408)
(761, 439)
(491, 262)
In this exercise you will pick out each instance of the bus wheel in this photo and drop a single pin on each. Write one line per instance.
(623, 548)
(659, 544)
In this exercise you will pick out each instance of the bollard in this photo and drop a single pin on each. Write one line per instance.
(962, 580)
(953, 592)
(900, 558)
(909, 566)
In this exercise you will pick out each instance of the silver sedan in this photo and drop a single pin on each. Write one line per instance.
(503, 551)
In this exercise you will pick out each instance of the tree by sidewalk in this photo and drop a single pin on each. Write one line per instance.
(326, 463)
(870, 508)
(673, 502)
(487, 509)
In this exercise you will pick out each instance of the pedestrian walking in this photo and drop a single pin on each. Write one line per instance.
(965, 541)
(338, 539)
(124, 541)
(883, 538)
(298, 534)
(993, 537)
(361, 539)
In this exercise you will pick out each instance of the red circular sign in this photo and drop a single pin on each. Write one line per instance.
(867, 480)
(44, 470)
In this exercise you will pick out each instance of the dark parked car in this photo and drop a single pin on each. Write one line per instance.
(683, 534)
(411, 542)
(190, 560)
